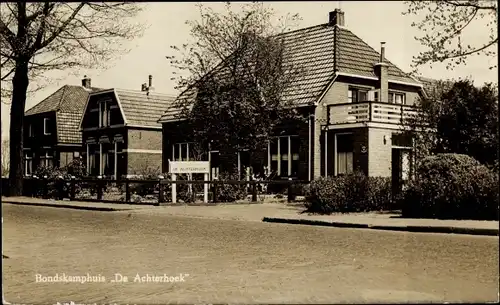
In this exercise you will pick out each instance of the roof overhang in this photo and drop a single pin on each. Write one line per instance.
(376, 78)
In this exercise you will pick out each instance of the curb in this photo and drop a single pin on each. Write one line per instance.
(414, 229)
(67, 206)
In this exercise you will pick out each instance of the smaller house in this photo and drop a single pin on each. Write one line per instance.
(51, 128)
(121, 135)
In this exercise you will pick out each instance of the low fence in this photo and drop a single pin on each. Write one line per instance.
(153, 191)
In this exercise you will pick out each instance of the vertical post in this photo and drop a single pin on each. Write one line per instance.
(289, 156)
(99, 190)
(174, 189)
(173, 152)
(290, 194)
(127, 191)
(309, 156)
(254, 191)
(100, 159)
(45, 188)
(205, 188)
(88, 159)
(160, 192)
(116, 161)
(326, 153)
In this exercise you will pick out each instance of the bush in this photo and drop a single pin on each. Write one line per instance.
(452, 186)
(348, 193)
(230, 192)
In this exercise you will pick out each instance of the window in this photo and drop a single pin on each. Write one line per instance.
(46, 126)
(397, 98)
(183, 152)
(355, 95)
(76, 154)
(104, 114)
(284, 154)
(28, 163)
(47, 159)
(344, 154)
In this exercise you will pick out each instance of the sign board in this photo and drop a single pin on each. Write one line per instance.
(189, 167)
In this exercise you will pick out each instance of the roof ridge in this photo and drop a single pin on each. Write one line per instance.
(385, 59)
(65, 87)
(150, 93)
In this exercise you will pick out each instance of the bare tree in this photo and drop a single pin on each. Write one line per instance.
(443, 24)
(236, 73)
(39, 37)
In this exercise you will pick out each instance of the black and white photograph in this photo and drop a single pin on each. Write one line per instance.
(298, 152)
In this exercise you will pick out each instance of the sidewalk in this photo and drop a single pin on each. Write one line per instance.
(282, 213)
(81, 205)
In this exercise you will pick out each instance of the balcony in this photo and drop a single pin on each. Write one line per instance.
(364, 112)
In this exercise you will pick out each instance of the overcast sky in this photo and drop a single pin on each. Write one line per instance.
(372, 21)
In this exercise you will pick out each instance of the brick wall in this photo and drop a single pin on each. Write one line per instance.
(379, 154)
(144, 139)
(139, 163)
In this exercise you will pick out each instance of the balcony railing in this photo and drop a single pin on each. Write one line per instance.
(370, 112)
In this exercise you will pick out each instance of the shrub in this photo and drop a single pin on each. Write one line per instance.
(230, 192)
(348, 193)
(452, 186)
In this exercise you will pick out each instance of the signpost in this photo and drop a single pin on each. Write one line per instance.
(189, 167)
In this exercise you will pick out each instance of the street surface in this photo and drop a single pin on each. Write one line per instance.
(229, 261)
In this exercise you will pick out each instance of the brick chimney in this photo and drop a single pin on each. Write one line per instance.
(336, 17)
(86, 82)
(150, 87)
(381, 69)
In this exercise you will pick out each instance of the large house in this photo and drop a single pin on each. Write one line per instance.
(51, 128)
(355, 101)
(121, 135)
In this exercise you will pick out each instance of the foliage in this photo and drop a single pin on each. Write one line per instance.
(452, 186)
(230, 192)
(76, 168)
(44, 36)
(235, 74)
(461, 119)
(349, 193)
(445, 24)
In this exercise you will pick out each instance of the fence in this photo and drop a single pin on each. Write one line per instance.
(152, 191)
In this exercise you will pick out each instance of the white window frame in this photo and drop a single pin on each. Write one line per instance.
(46, 158)
(179, 146)
(279, 154)
(336, 161)
(392, 97)
(106, 113)
(45, 127)
(26, 158)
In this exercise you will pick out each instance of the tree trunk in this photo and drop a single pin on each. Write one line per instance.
(20, 83)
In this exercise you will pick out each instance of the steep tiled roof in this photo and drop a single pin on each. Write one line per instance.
(143, 109)
(67, 98)
(68, 102)
(312, 51)
(68, 125)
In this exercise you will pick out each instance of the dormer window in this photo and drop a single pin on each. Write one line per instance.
(104, 113)
(46, 126)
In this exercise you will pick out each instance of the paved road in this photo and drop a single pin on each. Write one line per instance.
(236, 261)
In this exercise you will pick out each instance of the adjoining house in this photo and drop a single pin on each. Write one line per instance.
(51, 128)
(355, 100)
(121, 135)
